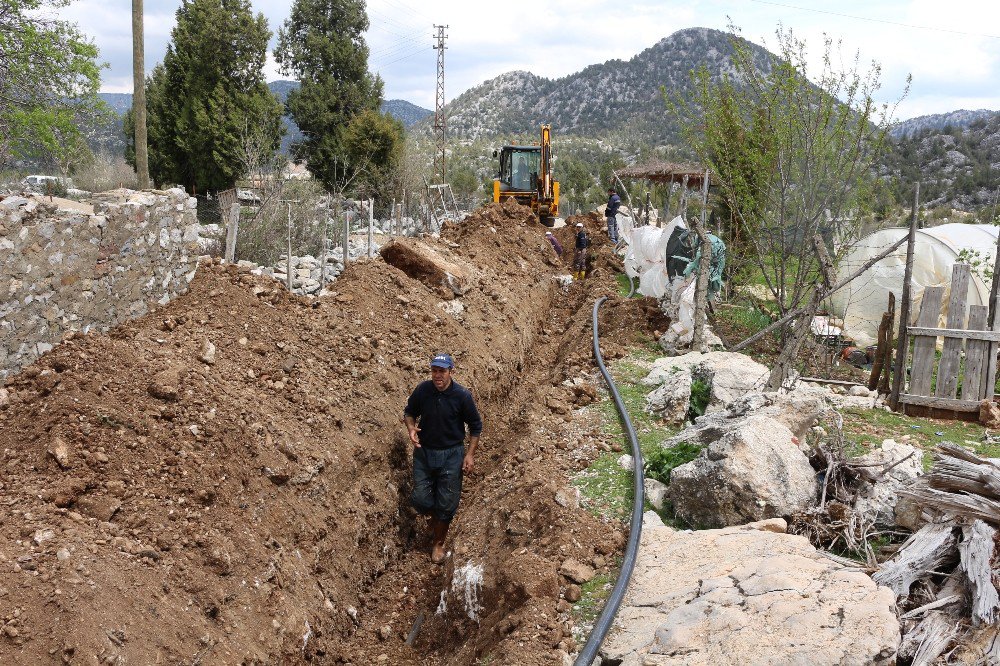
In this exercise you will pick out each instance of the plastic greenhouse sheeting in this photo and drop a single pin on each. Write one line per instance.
(646, 256)
(862, 302)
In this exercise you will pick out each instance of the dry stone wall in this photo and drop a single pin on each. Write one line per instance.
(64, 270)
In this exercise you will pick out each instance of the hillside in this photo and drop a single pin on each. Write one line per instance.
(120, 103)
(938, 121)
(958, 165)
(614, 96)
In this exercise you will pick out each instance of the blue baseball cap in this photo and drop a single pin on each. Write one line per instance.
(442, 361)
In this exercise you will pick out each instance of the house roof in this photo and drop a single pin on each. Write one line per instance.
(669, 172)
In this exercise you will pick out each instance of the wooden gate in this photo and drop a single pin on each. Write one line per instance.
(954, 385)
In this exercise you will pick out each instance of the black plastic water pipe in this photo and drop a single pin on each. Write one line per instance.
(603, 624)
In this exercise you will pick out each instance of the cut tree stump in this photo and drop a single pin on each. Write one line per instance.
(929, 639)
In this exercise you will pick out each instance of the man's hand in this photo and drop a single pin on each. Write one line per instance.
(468, 463)
(413, 435)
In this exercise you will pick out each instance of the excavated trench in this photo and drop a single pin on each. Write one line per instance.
(164, 502)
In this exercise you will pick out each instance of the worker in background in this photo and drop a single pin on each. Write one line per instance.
(554, 242)
(614, 203)
(436, 415)
(580, 258)
(521, 175)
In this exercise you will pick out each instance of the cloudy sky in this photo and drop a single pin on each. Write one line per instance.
(952, 49)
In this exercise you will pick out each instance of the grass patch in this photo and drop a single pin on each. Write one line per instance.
(623, 286)
(605, 487)
(593, 595)
(866, 428)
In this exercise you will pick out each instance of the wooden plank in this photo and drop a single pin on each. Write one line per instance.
(923, 345)
(940, 403)
(947, 375)
(965, 334)
(975, 355)
(991, 356)
(885, 383)
(976, 552)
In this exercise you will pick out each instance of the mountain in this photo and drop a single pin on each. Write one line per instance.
(957, 164)
(615, 95)
(938, 121)
(400, 109)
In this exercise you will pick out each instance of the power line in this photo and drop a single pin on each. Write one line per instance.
(875, 20)
(405, 57)
(411, 48)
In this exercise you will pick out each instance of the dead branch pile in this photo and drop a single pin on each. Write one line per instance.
(836, 524)
(944, 576)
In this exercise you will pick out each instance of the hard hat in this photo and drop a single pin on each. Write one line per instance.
(579, 224)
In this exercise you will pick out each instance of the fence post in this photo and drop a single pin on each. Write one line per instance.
(371, 224)
(899, 367)
(288, 256)
(347, 237)
(232, 228)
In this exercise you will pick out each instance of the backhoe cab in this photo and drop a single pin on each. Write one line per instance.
(526, 176)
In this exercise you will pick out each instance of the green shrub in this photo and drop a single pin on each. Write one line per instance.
(701, 393)
(660, 462)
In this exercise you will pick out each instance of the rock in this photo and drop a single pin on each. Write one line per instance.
(384, 632)
(568, 497)
(989, 414)
(573, 593)
(59, 449)
(776, 525)
(738, 596)
(101, 507)
(4, 398)
(878, 504)
(858, 392)
(43, 535)
(207, 353)
(656, 492)
(626, 462)
(753, 471)
(671, 400)
(62, 554)
(576, 571)
(730, 375)
(165, 385)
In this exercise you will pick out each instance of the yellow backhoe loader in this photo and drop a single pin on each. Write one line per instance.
(526, 176)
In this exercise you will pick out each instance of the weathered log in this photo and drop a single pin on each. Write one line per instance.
(929, 639)
(976, 552)
(965, 506)
(922, 554)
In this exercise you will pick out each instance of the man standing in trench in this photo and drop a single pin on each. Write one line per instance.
(436, 415)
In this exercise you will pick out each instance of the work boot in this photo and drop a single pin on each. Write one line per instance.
(439, 530)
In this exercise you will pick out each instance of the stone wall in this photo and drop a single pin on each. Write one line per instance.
(70, 270)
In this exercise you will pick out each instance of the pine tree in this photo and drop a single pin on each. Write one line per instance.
(322, 45)
(208, 90)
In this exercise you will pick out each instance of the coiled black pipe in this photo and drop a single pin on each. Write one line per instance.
(603, 624)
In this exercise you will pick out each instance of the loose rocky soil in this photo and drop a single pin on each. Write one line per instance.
(225, 480)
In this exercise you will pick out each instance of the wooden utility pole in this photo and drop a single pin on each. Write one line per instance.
(704, 265)
(899, 367)
(139, 96)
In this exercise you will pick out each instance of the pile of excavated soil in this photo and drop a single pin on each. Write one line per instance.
(225, 480)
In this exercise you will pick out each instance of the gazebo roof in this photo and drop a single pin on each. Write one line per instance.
(669, 172)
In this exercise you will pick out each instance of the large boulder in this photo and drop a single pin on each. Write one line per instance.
(748, 595)
(755, 470)
(730, 375)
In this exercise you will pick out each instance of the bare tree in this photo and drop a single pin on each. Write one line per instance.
(139, 95)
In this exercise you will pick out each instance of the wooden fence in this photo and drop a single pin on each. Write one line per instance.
(953, 386)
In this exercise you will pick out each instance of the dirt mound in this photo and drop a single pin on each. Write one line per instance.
(225, 480)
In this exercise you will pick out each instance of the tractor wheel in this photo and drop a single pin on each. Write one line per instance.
(548, 221)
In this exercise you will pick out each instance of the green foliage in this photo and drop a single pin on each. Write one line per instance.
(789, 153)
(206, 94)
(373, 142)
(322, 45)
(701, 393)
(49, 77)
(661, 461)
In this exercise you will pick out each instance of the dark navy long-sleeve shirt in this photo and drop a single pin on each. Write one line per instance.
(614, 202)
(443, 415)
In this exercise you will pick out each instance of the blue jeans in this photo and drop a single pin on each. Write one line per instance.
(613, 228)
(437, 481)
